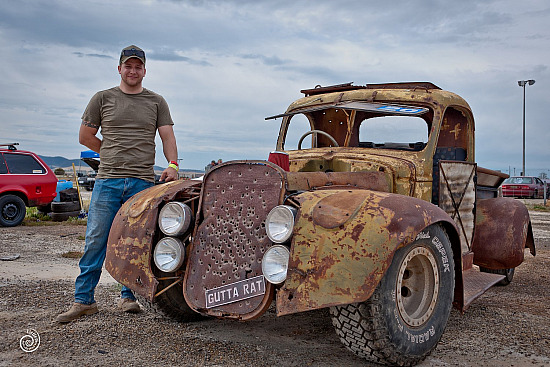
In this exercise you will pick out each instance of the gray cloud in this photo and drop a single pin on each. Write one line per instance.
(224, 65)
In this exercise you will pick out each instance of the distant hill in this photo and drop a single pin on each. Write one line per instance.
(56, 162)
(62, 162)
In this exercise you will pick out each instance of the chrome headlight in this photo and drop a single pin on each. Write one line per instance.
(169, 254)
(275, 264)
(280, 223)
(175, 218)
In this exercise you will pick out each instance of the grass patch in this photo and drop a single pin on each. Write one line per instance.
(540, 208)
(77, 221)
(72, 255)
(37, 223)
(33, 215)
(34, 218)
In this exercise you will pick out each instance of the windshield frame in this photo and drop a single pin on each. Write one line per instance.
(355, 112)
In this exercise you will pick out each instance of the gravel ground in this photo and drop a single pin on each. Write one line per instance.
(507, 326)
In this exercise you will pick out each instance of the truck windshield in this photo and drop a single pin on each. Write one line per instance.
(356, 124)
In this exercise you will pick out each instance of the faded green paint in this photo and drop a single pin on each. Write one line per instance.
(340, 265)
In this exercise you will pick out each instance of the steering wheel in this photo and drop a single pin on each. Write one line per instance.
(333, 141)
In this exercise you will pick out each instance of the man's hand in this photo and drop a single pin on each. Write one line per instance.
(170, 152)
(169, 174)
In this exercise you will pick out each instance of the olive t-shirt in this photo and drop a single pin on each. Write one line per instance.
(128, 125)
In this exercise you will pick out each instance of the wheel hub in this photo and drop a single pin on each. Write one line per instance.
(9, 211)
(417, 286)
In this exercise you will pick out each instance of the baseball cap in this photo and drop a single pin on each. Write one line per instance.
(132, 51)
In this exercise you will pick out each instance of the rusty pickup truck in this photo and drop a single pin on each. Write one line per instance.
(371, 205)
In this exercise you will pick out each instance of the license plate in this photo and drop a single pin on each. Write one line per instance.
(235, 292)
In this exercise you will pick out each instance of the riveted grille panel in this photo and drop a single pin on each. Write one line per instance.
(231, 239)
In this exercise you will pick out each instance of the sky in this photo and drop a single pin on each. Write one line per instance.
(225, 65)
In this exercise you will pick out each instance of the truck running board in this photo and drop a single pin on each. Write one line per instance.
(476, 283)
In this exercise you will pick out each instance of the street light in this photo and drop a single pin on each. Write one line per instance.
(522, 83)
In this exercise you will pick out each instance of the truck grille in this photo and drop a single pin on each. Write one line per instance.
(230, 240)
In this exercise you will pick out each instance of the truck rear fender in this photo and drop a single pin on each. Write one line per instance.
(344, 241)
(503, 231)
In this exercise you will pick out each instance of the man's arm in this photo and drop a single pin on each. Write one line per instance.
(170, 149)
(87, 136)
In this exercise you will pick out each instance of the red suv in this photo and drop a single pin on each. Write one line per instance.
(25, 180)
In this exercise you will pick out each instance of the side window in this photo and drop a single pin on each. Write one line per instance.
(3, 168)
(297, 127)
(23, 164)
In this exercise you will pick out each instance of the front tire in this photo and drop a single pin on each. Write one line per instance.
(406, 316)
(170, 304)
(12, 210)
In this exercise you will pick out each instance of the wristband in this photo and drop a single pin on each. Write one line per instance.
(172, 165)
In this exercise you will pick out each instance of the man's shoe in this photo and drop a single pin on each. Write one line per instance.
(77, 310)
(128, 305)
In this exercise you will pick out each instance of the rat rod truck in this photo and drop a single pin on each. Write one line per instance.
(382, 216)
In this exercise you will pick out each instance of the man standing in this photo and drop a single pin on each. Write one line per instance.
(129, 117)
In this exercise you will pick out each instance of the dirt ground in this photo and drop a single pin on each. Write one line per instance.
(507, 326)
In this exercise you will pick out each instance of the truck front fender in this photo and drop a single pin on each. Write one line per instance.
(344, 241)
(130, 243)
(503, 231)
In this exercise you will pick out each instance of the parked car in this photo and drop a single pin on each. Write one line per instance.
(379, 216)
(25, 181)
(523, 187)
(88, 181)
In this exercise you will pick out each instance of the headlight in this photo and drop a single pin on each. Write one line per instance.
(175, 218)
(275, 264)
(280, 223)
(169, 254)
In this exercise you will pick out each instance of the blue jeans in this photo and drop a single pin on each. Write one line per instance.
(107, 198)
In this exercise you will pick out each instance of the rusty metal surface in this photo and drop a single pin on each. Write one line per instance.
(129, 247)
(489, 177)
(377, 181)
(400, 169)
(476, 283)
(503, 230)
(339, 265)
(457, 197)
(405, 85)
(230, 239)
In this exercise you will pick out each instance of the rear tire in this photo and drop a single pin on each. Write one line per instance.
(65, 206)
(170, 304)
(406, 316)
(45, 209)
(508, 273)
(12, 210)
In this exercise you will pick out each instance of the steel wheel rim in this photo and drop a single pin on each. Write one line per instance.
(9, 211)
(417, 286)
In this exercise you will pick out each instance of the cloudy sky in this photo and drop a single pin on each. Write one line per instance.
(223, 66)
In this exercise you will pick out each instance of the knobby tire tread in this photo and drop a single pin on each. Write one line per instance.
(170, 305)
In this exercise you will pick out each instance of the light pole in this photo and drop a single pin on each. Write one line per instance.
(522, 83)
